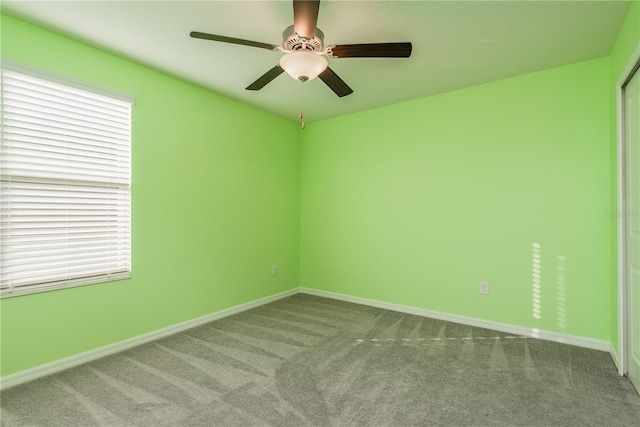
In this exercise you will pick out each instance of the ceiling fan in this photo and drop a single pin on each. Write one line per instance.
(305, 53)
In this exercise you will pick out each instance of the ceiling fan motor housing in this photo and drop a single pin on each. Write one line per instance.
(293, 42)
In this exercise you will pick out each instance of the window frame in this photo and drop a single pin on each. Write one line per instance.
(122, 189)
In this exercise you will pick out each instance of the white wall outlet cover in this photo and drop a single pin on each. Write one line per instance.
(484, 288)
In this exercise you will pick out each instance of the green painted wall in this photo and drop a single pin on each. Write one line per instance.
(416, 203)
(215, 204)
(627, 41)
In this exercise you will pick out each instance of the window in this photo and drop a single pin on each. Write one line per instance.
(65, 174)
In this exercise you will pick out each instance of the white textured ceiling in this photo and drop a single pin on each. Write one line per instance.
(455, 43)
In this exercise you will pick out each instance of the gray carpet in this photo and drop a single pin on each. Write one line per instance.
(310, 361)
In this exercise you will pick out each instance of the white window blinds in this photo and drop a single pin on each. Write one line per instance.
(65, 217)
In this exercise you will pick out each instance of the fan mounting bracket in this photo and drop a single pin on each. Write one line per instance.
(329, 51)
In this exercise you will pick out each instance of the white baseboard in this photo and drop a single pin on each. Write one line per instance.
(503, 327)
(82, 358)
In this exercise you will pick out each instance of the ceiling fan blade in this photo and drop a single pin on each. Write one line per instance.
(372, 50)
(305, 17)
(266, 78)
(223, 39)
(336, 84)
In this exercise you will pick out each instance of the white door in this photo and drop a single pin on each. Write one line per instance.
(632, 215)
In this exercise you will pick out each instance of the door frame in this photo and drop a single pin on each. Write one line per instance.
(632, 66)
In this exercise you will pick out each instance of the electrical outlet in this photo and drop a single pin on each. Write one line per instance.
(484, 288)
(274, 270)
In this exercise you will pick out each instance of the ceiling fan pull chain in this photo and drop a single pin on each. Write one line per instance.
(302, 103)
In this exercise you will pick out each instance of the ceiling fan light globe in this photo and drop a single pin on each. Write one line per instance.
(303, 64)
